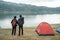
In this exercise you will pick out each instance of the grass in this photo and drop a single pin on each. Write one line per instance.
(29, 34)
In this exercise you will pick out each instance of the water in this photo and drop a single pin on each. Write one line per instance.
(32, 20)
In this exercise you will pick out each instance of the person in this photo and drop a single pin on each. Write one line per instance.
(20, 23)
(14, 24)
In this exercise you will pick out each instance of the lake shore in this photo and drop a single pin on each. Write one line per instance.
(29, 34)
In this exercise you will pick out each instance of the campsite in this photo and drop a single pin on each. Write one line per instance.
(34, 19)
(29, 34)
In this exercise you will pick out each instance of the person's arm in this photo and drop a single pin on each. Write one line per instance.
(23, 20)
(11, 21)
(17, 21)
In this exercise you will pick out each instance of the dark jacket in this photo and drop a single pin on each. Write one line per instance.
(21, 21)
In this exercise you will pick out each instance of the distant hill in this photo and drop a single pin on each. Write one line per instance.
(13, 8)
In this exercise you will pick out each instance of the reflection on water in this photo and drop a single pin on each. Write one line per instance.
(32, 20)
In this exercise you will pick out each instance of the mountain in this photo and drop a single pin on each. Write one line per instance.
(26, 9)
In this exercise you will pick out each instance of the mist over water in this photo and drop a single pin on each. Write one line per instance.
(32, 20)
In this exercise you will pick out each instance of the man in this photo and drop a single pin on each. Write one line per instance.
(14, 24)
(20, 23)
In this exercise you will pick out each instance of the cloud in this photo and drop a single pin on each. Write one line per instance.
(25, 1)
(48, 3)
(46, 0)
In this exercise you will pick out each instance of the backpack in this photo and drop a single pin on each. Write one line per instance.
(14, 23)
(19, 21)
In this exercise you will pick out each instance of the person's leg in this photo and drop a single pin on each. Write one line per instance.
(19, 30)
(22, 29)
(12, 30)
(15, 30)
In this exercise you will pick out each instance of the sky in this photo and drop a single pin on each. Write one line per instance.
(48, 3)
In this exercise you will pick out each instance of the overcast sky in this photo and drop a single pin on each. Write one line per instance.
(48, 3)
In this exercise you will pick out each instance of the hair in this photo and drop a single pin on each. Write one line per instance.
(14, 16)
(20, 15)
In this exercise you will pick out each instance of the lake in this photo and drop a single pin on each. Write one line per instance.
(31, 20)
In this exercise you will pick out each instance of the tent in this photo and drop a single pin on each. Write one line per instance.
(58, 29)
(44, 29)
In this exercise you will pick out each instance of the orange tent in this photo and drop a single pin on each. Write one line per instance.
(44, 29)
